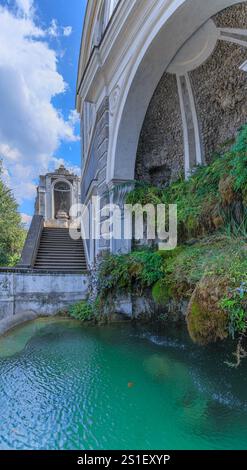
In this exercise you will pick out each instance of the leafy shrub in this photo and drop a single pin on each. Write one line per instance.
(82, 311)
(239, 160)
(138, 270)
(205, 202)
(235, 303)
(176, 274)
(144, 193)
(212, 224)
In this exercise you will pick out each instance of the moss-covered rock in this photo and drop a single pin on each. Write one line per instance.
(207, 321)
(161, 292)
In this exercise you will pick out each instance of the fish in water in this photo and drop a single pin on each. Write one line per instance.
(131, 384)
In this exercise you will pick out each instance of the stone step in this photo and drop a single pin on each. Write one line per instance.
(68, 240)
(60, 260)
(50, 237)
(63, 271)
(60, 266)
(59, 252)
(65, 240)
(65, 256)
(61, 246)
(78, 251)
(56, 263)
(61, 256)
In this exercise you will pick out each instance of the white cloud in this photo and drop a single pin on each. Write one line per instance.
(53, 30)
(25, 6)
(7, 152)
(26, 219)
(74, 117)
(56, 31)
(67, 30)
(31, 128)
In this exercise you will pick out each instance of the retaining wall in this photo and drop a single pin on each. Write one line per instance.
(25, 295)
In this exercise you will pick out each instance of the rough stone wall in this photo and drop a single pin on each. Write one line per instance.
(220, 87)
(232, 17)
(160, 150)
(220, 90)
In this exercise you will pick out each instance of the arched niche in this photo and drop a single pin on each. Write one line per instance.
(62, 199)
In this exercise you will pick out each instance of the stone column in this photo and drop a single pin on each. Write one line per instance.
(233, 35)
(118, 193)
(192, 140)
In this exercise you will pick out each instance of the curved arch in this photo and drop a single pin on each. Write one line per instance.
(100, 23)
(148, 65)
(65, 182)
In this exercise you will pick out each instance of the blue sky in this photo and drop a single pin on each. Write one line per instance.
(66, 15)
(38, 71)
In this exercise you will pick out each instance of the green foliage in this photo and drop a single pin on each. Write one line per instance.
(201, 209)
(144, 194)
(12, 233)
(82, 311)
(222, 257)
(177, 273)
(212, 224)
(139, 270)
(236, 306)
(239, 160)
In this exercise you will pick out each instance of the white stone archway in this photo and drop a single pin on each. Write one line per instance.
(160, 41)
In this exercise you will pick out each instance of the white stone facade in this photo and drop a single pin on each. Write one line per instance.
(50, 187)
(136, 43)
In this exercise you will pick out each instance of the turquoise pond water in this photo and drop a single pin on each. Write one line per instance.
(66, 386)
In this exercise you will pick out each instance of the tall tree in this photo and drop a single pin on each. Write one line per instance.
(12, 232)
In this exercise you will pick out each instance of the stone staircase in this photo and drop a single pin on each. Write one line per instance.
(58, 252)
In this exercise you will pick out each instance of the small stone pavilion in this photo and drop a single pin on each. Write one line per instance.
(52, 272)
(56, 193)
